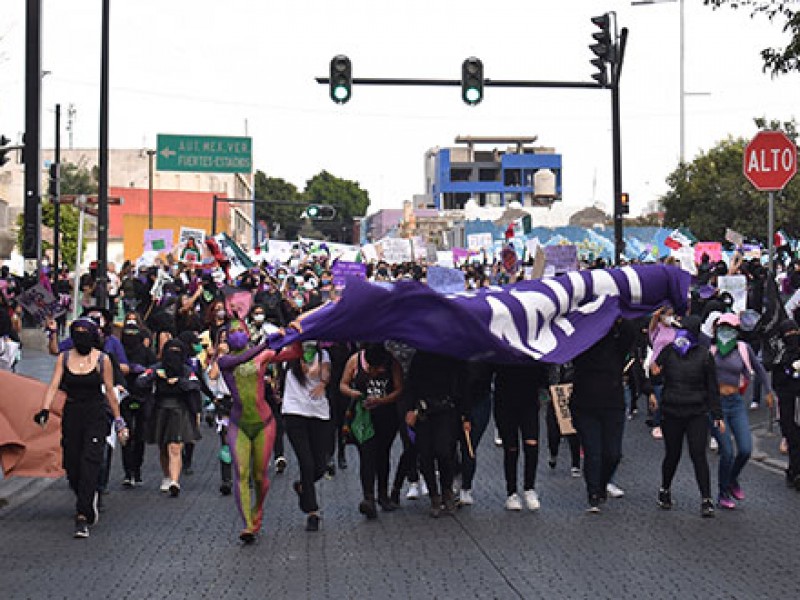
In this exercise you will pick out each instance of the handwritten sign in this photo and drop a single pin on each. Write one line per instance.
(480, 241)
(343, 269)
(158, 240)
(199, 235)
(396, 250)
(736, 286)
(562, 257)
(561, 394)
(713, 249)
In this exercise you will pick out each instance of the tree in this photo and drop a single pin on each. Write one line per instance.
(777, 61)
(711, 194)
(75, 179)
(287, 217)
(347, 196)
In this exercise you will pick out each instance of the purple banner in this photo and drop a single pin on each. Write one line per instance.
(552, 320)
(341, 270)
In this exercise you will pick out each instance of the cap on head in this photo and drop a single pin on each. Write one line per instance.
(728, 319)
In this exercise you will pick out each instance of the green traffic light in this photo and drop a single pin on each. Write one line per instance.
(472, 95)
(312, 211)
(341, 93)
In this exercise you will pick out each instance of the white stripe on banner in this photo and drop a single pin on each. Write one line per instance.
(635, 284)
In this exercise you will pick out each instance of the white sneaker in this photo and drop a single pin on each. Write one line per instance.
(614, 491)
(712, 444)
(465, 498)
(165, 484)
(657, 433)
(413, 491)
(498, 441)
(532, 500)
(575, 472)
(754, 405)
(423, 488)
(513, 502)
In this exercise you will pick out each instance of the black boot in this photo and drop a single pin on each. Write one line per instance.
(367, 508)
(449, 501)
(436, 506)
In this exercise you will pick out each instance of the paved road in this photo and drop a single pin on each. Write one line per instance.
(150, 546)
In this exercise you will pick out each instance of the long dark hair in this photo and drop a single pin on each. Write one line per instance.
(296, 367)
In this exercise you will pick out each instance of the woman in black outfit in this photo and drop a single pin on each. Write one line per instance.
(691, 392)
(81, 373)
(786, 383)
(435, 405)
(375, 378)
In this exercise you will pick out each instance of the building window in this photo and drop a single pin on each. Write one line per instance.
(512, 177)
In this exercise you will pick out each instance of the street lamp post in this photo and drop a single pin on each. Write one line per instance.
(150, 155)
(682, 70)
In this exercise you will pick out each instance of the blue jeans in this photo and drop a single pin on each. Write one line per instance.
(600, 432)
(737, 427)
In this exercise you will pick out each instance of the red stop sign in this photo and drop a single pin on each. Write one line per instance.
(770, 161)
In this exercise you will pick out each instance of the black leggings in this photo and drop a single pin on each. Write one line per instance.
(375, 453)
(310, 439)
(515, 420)
(695, 429)
(791, 431)
(436, 444)
(84, 428)
(275, 407)
(133, 451)
(554, 438)
(407, 465)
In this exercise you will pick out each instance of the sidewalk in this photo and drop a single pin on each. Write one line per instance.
(765, 443)
(17, 490)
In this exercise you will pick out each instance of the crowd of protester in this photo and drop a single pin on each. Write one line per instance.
(173, 351)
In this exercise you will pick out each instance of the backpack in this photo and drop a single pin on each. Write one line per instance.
(744, 352)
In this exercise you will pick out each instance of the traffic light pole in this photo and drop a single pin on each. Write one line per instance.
(619, 244)
(508, 83)
(102, 196)
(57, 201)
(31, 246)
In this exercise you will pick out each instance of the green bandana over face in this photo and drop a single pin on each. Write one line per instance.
(726, 340)
(308, 355)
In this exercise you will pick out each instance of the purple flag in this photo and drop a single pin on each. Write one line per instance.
(551, 320)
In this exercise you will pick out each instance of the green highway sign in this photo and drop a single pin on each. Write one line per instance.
(204, 153)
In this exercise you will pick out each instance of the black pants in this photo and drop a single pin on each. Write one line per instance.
(600, 432)
(554, 438)
(84, 428)
(278, 448)
(407, 465)
(375, 453)
(133, 451)
(695, 429)
(517, 420)
(339, 406)
(436, 444)
(310, 438)
(791, 431)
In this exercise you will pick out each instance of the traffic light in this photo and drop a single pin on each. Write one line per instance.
(54, 183)
(341, 80)
(320, 212)
(624, 203)
(602, 48)
(4, 141)
(472, 81)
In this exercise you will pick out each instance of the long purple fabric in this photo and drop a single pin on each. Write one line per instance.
(552, 320)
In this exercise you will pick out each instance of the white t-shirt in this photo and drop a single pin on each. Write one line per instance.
(297, 399)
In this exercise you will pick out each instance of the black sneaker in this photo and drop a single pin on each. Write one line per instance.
(552, 462)
(247, 536)
(81, 527)
(137, 479)
(665, 499)
(330, 470)
(342, 462)
(174, 489)
(312, 523)
(225, 488)
(707, 508)
(128, 481)
(100, 506)
(387, 504)
(594, 504)
(395, 497)
(280, 464)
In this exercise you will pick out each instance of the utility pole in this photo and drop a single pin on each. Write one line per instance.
(57, 200)
(102, 198)
(150, 155)
(71, 122)
(32, 247)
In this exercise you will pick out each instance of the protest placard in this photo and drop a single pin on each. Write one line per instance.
(560, 395)
(186, 233)
(343, 269)
(158, 240)
(685, 256)
(444, 280)
(480, 241)
(40, 303)
(713, 249)
(444, 258)
(396, 250)
(562, 257)
(734, 237)
(736, 286)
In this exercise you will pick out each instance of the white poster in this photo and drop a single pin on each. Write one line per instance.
(736, 286)
(199, 235)
(479, 241)
(396, 250)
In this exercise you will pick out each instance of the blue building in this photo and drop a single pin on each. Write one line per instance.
(492, 177)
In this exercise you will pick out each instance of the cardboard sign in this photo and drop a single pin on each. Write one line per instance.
(562, 257)
(158, 240)
(342, 269)
(396, 250)
(560, 395)
(734, 237)
(713, 249)
(685, 255)
(444, 280)
(444, 258)
(238, 302)
(40, 303)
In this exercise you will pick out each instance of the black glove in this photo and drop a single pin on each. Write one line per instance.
(41, 417)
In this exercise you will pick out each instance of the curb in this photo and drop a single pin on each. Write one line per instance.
(762, 458)
(15, 491)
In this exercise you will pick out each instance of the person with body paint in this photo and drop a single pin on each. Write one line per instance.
(252, 426)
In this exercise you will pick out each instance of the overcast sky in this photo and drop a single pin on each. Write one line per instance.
(216, 68)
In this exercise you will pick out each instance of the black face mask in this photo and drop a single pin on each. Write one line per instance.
(131, 341)
(83, 342)
(792, 342)
(173, 362)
